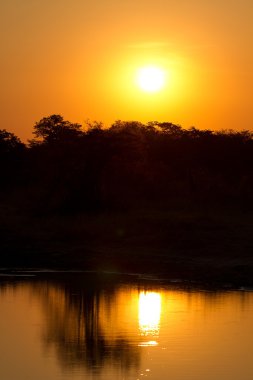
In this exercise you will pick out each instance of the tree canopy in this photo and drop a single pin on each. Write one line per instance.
(55, 129)
(70, 167)
(9, 142)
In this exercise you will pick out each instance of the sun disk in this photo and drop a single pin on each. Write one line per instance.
(151, 79)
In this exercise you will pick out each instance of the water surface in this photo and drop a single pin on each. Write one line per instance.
(74, 327)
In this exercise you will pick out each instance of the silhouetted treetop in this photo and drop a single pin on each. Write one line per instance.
(9, 142)
(171, 129)
(69, 167)
(55, 129)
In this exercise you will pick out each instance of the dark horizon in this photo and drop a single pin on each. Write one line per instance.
(133, 197)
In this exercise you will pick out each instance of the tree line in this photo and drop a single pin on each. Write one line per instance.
(68, 167)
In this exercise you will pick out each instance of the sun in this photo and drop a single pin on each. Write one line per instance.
(151, 78)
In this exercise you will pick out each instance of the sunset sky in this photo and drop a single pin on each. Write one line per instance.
(79, 59)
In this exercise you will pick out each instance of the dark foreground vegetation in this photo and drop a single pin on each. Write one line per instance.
(153, 198)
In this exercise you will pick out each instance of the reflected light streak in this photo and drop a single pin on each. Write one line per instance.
(149, 315)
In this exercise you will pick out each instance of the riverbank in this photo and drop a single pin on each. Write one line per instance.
(194, 244)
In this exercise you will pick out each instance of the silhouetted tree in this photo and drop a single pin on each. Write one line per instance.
(55, 129)
(173, 130)
(71, 168)
(9, 142)
(11, 160)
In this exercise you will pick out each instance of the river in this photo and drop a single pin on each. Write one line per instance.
(79, 326)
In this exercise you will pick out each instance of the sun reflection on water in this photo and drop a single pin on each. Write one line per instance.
(149, 316)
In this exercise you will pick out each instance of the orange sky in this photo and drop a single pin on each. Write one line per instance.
(78, 58)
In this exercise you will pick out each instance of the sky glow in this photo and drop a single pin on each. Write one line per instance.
(79, 59)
